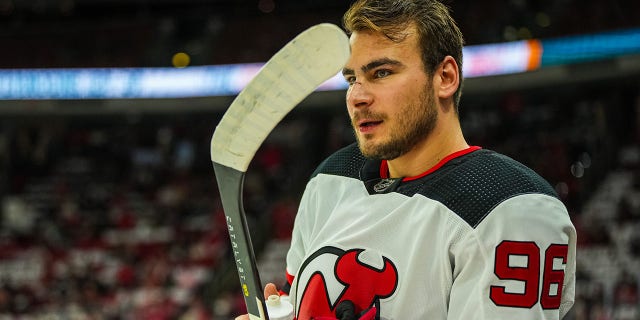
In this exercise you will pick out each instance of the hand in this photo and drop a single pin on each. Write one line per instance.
(269, 289)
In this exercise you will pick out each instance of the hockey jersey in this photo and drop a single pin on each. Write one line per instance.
(478, 236)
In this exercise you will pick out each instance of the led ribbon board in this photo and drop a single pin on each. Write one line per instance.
(228, 80)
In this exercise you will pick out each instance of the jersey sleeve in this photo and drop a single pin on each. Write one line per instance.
(518, 263)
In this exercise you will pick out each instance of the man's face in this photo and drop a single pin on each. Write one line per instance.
(390, 98)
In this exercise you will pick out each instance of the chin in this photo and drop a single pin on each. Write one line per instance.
(366, 150)
(374, 152)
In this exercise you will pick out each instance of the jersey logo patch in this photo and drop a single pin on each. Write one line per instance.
(377, 186)
(331, 276)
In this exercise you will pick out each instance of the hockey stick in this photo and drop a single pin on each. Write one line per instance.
(284, 81)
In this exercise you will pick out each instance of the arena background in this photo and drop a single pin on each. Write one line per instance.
(110, 208)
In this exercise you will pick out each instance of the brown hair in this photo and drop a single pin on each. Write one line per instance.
(438, 33)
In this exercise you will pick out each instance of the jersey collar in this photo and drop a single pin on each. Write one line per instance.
(384, 166)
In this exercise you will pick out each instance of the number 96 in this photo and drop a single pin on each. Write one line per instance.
(529, 275)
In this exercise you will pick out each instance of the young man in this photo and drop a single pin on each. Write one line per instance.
(412, 222)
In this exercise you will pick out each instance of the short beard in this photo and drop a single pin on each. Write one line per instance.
(415, 122)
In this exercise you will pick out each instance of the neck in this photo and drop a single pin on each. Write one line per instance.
(445, 139)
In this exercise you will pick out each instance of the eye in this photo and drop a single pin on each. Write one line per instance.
(382, 73)
(350, 80)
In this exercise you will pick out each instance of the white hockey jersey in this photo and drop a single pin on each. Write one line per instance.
(479, 236)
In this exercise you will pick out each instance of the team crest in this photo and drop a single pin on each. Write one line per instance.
(331, 276)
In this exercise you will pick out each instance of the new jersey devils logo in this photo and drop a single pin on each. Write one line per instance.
(332, 275)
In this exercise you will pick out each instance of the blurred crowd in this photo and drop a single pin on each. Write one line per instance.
(118, 216)
(107, 220)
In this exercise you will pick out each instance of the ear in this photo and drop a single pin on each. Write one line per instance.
(447, 78)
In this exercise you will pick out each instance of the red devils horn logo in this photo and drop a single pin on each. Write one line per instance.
(332, 275)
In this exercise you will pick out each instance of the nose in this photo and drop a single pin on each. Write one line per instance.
(358, 95)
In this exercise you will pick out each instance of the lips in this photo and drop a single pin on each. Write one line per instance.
(368, 125)
(365, 121)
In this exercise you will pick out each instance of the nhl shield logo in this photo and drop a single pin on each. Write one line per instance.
(383, 185)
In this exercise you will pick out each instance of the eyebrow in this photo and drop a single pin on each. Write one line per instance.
(372, 65)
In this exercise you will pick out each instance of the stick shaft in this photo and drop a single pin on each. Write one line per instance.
(231, 197)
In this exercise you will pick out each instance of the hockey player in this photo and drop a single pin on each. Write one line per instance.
(411, 222)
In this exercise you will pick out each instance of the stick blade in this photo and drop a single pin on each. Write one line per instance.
(293, 73)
